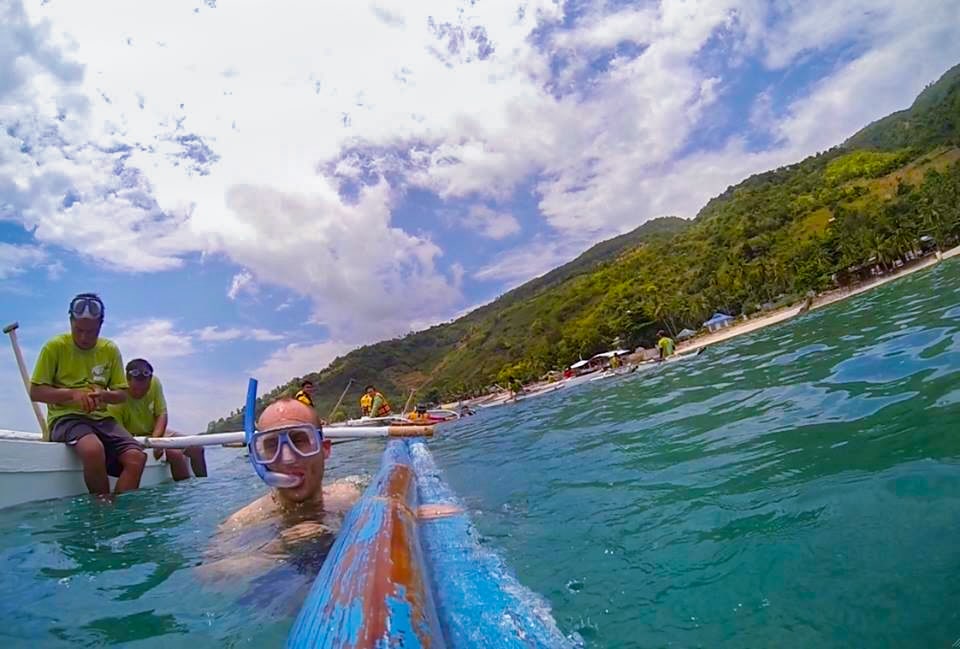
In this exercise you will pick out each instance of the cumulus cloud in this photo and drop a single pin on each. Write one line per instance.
(240, 283)
(491, 223)
(287, 154)
(216, 334)
(154, 340)
(297, 359)
(516, 265)
(16, 260)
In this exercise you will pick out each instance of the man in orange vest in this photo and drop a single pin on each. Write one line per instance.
(373, 403)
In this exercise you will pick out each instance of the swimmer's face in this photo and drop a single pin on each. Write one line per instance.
(283, 414)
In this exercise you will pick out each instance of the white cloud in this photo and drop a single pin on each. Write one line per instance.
(239, 149)
(216, 334)
(155, 340)
(16, 260)
(523, 263)
(297, 359)
(491, 223)
(240, 283)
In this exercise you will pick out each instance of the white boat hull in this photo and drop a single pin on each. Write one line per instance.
(32, 470)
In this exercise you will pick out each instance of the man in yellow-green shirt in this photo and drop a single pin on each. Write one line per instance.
(78, 374)
(665, 344)
(145, 413)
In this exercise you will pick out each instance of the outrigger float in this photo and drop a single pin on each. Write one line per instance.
(32, 469)
(407, 570)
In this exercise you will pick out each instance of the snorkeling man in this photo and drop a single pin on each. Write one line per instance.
(145, 413)
(305, 394)
(78, 374)
(665, 345)
(373, 403)
(289, 441)
(288, 444)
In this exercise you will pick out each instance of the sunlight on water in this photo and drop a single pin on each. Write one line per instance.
(798, 487)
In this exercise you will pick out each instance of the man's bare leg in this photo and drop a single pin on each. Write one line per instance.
(198, 461)
(179, 469)
(90, 451)
(132, 461)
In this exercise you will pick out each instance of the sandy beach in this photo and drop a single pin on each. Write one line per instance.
(777, 316)
(828, 297)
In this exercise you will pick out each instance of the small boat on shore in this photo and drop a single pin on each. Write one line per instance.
(32, 470)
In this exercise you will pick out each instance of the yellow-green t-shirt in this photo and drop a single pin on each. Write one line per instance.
(62, 364)
(139, 415)
(666, 344)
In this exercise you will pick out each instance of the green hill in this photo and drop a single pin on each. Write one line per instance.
(773, 237)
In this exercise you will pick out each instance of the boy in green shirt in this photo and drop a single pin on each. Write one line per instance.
(665, 344)
(78, 375)
(145, 413)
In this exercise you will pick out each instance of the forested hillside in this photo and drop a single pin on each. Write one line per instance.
(772, 237)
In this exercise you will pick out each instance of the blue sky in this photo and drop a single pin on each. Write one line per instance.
(254, 192)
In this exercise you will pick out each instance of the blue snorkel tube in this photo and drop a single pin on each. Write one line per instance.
(272, 478)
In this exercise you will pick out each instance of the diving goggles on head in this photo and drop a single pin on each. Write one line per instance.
(86, 307)
(140, 373)
(304, 440)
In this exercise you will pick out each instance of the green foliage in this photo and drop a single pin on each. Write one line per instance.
(933, 119)
(769, 239)
(864, 164)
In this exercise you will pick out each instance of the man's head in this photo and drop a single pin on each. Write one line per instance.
(421, 408)
(661, 334)
(370, 390)
(287, 413)
(139, 376)
(307, 386)
(86, 318)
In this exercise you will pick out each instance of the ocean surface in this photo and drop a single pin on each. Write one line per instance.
(796, 487)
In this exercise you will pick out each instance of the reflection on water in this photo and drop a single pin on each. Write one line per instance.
(83, 573)
(796, 487)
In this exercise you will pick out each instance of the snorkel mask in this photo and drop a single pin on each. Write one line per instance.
(272, 478)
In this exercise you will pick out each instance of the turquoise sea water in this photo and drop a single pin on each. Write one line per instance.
(797, 487)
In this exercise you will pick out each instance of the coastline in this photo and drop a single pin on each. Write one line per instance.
(821, 300)
(774, 317)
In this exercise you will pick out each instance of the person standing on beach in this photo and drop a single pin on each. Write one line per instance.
(665, 345)
(78, 374)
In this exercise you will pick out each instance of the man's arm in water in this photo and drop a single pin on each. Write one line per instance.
(227, 557)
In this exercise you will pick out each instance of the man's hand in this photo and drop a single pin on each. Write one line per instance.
(303, 531)
(86, 399)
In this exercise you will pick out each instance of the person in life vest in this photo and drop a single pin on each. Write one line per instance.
(305, 394)
(419, 415)
(665, 344)
(373, 403)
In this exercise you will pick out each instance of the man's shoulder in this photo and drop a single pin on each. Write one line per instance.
(252, 512)
(108, 346)
(58, 342)
(339, 496)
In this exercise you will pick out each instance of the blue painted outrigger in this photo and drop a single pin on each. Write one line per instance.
(393, 579)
